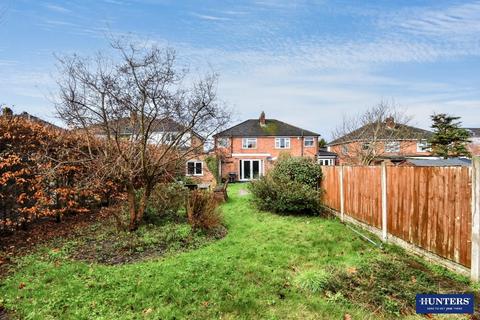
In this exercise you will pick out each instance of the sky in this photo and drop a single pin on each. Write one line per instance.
(305, 62)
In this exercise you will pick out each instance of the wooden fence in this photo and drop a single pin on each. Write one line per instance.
(428, 207)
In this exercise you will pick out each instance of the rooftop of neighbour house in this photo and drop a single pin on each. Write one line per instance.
(388, 129)
(439, 162)
(474, 132)
(126, 126)
(324, 153)
(263, 127)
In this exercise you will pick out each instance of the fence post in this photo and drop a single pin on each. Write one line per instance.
(384, 201)
(475, 265)
(342, 196)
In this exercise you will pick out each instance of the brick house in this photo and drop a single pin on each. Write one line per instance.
(389, 141)
(164, 132)
(248, 150)
(474, 145)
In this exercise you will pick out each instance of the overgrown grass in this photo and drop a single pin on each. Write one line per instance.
(267, 267)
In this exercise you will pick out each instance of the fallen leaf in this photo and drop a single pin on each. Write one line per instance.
(347, 317)
(148, 311)
(352, 270)
(21, 285)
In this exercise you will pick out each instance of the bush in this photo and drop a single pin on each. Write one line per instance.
(302, 170)
(32, 184)
(202, 210)
(290, 187)
(167, 199)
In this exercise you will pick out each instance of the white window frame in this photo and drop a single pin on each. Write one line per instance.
(344, 149)
(195, 174)
(423, 146)
(326, 162)
(247, 141)
(309, 140)
(223, 142)
(241, 173)
(278, 143)
(392, 146)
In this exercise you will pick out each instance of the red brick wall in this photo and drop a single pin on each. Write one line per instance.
(207, 177)
(265, 149)
(406, 148)
(474, 146)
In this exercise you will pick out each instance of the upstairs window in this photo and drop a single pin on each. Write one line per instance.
(223, 142)
(282, 143)
(194, 168)
(423, 146)
(345, 149)
(392, 146)
(249, 143)
(309, 142)
(169, 137)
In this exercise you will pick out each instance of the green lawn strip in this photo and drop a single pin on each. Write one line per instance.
(267, 267)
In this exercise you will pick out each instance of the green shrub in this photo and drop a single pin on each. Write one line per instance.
(302, 170)
(212, 164)
(166, 199)
(202, 210)
(290, 187)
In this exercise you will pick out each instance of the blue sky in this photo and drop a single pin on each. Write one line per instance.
(304, 62)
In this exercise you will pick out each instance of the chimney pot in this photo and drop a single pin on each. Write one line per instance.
(390, 122)
(262, 118)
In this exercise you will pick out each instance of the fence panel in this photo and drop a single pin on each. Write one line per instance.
(331, 186)
(431, 208)
(426, 206)
(363, 194)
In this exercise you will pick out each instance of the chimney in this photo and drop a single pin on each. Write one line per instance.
(390, 122)
(262, 119)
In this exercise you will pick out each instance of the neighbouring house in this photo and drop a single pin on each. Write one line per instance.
(386, 141)
(326, 158)
(474, 145)
(249, 149)
(164, 132)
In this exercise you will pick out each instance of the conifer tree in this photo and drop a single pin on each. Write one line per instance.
(449, 138)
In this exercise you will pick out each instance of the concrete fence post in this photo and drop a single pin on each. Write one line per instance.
(342, 196)
(475, 265)
(384, 202)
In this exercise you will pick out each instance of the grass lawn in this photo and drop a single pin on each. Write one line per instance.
(267, 267)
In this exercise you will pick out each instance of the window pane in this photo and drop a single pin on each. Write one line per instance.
(392, 146)
(246, 169)
(256, 169)
(190, 168)
(198, 168)
(309, 142)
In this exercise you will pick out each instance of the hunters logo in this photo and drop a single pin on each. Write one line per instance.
(445, 303)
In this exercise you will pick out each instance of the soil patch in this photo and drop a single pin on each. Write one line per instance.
(22, 242)
(389, 284)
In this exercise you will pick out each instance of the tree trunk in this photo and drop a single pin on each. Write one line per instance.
(132, 208)
(143, 203)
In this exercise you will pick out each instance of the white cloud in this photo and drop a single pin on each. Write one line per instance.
(463, 20)
(210, 17)
(57, 8)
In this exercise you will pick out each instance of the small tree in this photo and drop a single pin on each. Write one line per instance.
(368, 133)
(129, 100)
(322, 143)
(449, 139)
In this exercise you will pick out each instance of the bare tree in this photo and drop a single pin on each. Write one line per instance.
(140, 118)
(379, 130)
